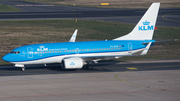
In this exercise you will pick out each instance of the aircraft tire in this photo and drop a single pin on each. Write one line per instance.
(89, 67)
(23, 69)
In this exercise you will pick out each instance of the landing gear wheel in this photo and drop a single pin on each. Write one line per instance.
(89, 67)
(23, 69)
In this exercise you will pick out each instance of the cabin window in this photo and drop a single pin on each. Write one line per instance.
(15, 52)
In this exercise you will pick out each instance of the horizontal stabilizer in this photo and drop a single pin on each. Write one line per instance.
(168, 40)
(160, 41)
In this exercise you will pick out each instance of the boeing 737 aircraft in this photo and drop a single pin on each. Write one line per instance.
(73, 55)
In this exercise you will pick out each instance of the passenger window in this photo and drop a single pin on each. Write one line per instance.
(15, 52)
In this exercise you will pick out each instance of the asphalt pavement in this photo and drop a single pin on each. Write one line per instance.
(109, 81)
(38, 11)
(102, 67)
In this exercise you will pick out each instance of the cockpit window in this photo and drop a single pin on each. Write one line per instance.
(15, 52)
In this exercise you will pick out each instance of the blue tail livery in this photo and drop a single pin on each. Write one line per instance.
(73, 55)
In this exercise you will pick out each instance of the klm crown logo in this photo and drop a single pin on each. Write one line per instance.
(72, 63)
(146, 26)
(146, 23)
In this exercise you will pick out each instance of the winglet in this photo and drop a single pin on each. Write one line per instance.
(73, 37)
(146, 49)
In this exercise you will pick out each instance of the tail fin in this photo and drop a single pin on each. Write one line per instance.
(145, 28)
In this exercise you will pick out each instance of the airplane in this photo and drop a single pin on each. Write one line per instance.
(73, 55)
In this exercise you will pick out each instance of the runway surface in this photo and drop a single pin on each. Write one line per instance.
(109, 81)
(10, 70)
(37, 11)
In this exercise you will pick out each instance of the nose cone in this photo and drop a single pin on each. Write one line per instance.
(7, 58)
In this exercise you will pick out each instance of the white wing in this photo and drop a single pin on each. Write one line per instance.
(73, 38)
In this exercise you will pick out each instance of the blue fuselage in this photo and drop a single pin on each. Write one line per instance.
(47, 50)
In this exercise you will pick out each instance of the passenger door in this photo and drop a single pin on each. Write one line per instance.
(30, 52)
(130, 48)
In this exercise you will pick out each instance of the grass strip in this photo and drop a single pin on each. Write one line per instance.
(5, 8)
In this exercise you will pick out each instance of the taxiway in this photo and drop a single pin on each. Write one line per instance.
(38, 11)
(125, 81)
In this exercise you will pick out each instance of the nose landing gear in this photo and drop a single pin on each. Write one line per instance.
(23, 69)
(21, 66)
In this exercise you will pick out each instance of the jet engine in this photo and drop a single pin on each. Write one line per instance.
(72, 63)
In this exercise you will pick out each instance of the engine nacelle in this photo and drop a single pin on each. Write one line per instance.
(72, 63)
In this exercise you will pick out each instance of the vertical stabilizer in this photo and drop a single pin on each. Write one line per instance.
(145, 28)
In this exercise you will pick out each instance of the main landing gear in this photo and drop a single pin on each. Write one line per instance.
(89, 66)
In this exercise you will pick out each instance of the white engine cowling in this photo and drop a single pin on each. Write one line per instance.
(72, 63)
